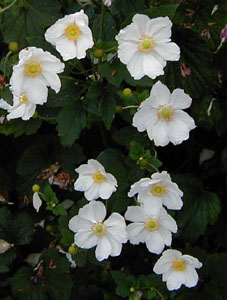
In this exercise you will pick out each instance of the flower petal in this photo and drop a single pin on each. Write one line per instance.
(106, 190)
(135, 214)
(103, 249)
(180, 100)
(83, 183)
(37, 202)
(154, 242)
(85, 239)
(168, 51)
(159, 133)
(175, 280)
(160, 94)
(191, 276)
(136, 233)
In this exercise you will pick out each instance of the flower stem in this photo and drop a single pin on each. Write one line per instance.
(7, 7)
(110, 49)
(5, 61)
(130, 106)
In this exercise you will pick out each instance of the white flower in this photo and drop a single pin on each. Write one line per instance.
(152, 225)
(37, 202)
(21, 108)
(94, 181)
(92, 230)
(145, 46)
(159, 186)
(36, 70)
(107, 2)
(161, 115)
(177, 269)
(71, 36)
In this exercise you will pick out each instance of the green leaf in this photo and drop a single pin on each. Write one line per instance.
(60, 210)
(71, 120)
(200, 207)
(128, 7)
(30, 21)
(16, 230)
(113, 72)
(18, 127)
(109, 27)
(107, 109)
(123, 282)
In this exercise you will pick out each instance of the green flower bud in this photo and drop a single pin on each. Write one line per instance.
(127, 92)
(13, 46)
(35, 188)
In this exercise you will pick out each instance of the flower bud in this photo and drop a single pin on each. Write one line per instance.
(4, 246)
(127, 92)
(13, 46)
(35, 188)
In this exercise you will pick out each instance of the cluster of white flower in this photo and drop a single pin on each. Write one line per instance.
(144, 47)
(151, 224)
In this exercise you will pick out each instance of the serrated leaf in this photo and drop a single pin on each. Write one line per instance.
(71, 120)
(30, 21)
(162, 11)
(59, 210)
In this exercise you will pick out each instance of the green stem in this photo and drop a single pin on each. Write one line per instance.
(156, 169)
(5, 61)
(130, 106)
(7, 7)
(101, 32)
(159, 293)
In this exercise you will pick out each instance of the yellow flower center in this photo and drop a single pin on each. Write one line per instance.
(158, 190)
(165, 113)
(146, 44)
(72, 32)
(98, 177)
(179, 265)
(33, 69)
(99, 229)
(23, 99)
(152, 224)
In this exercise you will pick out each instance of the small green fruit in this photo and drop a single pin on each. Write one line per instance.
(72, 250)
(13, 46)
(127, 92)
(118, 109)
(98, 53)
(143, 162)
(49, 228)
(35, 188)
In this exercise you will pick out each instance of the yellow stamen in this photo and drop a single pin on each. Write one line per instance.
(158, 190)
(99, 229)
(73, 32)
(179, 265)
(33, 69)
(152, 224)
(165, 113)
(23, 99)
(146, 44)
(98, 177)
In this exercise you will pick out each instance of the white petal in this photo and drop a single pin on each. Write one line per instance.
(154, 242)
(96, 164)
(144, 118)
(175, 280)
(35, 90)
(126, 51)
(4, 105)
(142, 22)
(53, 80)
(152, 206)
(136, 233)
(106, 190)
(116, 227)
(185, 118)
(66, 48)
(116, 246)
(159, 133)
(166, 235)
(37, 202)
(95, 212)
(86, 169)
(135, 214)
(178, 131)
(162, 266)
(152, 66)
(168, 51)
(83, 183)
(54, 32)
(172, 201)
(193, 261)
(103, 249)
(83, 43)
(85, 239)
(191, 276)
(160, 28)
(93, 192)
(180, 100)
(135, 66)
(168, 222)
(160, 94)
(77, 223)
